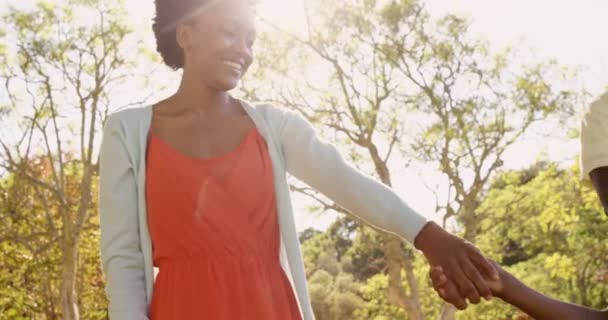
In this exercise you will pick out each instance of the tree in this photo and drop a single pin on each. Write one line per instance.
(541, 223)
(548, 227)
(387, 64)
(31, 255)
(59, 72)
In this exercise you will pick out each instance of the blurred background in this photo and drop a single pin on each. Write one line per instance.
(469, 109)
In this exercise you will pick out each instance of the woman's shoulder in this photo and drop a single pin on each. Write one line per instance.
(123, 129)
(263, 108)
(128, 119)
(135, 115)
(275, 116)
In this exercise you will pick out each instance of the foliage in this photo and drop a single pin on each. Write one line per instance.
(541, 223)
(391, 83)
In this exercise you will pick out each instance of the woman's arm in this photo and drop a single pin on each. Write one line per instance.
(122, 259)
(320, 165)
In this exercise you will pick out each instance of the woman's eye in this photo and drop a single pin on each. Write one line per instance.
(228, 32)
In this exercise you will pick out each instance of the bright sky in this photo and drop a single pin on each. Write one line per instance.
(570, 31)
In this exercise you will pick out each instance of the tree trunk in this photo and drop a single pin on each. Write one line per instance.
(470, 223)
(448, 312)
(414, 298)
(69, 297)
(50, 301)
(396, 260)
(467, 216)
(396, 257)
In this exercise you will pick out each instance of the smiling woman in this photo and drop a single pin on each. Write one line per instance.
(196, 186)
(206, 32)
(202, 146)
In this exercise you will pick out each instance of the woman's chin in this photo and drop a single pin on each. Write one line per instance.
(226, 84)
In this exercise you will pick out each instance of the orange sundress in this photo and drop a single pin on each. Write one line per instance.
(215, 235)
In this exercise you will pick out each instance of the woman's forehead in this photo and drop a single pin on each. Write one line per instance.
(231, 7)
(240, 11)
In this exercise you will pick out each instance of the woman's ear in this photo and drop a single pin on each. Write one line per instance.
(183, 35)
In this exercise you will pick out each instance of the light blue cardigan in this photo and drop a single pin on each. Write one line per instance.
(294, 147)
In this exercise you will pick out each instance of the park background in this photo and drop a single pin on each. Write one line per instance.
(470, 109)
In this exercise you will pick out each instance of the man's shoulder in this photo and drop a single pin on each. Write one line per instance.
(599, 106)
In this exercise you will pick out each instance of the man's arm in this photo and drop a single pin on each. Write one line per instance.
(516, 293)
(541, 307)
(599, 178)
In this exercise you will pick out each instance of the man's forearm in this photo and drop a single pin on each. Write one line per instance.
(541, 307)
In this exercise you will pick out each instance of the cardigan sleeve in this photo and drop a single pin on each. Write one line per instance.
(594, 137)
(121, 255)
(320, 165)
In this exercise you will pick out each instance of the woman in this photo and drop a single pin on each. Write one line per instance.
(195, 185)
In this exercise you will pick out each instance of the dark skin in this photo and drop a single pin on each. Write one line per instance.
(599, 178)
(538, 306)
(463, 260)
(516, 293)
(202, 120)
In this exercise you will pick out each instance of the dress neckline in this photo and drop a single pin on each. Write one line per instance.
(250, 133)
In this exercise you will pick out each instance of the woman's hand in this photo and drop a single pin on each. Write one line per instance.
(462, 263)
(441, 283)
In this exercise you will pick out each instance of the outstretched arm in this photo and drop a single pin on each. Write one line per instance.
(534, 303)
(541, 307)
(320, 165)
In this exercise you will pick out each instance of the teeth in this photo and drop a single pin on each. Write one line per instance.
(233, 64)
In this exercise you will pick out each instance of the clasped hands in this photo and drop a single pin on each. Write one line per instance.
(459, 271)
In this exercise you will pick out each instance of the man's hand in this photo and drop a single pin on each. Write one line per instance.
(462, 263)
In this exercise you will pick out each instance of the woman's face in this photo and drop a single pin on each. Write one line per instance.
(218, 43)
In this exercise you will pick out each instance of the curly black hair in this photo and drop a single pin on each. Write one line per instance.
(164, 24)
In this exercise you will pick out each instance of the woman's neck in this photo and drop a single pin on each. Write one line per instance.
(194, 96)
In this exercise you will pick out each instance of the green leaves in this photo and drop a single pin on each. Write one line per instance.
(556, 224)
(60, 65)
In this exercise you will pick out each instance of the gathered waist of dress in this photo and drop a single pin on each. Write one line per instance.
(271, 259)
